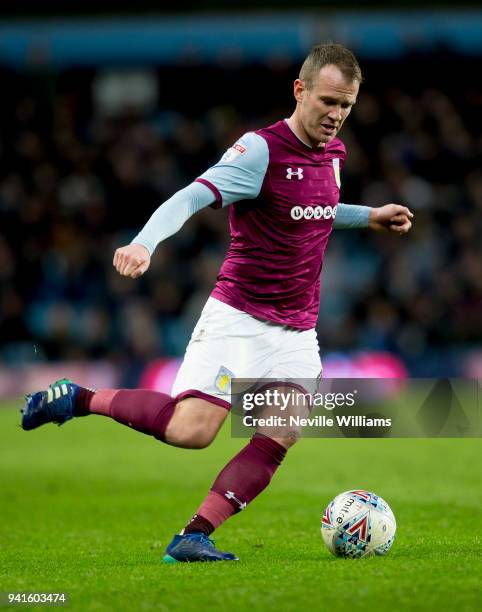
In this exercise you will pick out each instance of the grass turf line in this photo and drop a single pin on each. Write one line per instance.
(88, 508)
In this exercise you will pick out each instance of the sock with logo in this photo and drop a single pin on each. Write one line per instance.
(141, 409)
(198, 524)
(239, 482)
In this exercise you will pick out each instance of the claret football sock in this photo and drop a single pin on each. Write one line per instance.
(82, 401)
(141, 409)
(199, 524)
(240, 481)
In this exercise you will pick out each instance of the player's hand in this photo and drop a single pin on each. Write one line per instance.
(132, 260)
(391, 217)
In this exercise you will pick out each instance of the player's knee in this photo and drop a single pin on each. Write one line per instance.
(192, 437)
(199, 437)
(190, 433)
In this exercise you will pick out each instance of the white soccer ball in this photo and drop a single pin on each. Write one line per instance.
(358, 524)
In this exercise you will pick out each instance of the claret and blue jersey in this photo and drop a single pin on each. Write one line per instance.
(284, 197)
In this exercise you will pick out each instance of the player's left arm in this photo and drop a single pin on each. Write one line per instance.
(390, 217)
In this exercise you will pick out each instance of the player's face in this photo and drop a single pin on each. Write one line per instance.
(323, 108)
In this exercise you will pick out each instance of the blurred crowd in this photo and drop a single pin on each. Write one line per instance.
(79, 178)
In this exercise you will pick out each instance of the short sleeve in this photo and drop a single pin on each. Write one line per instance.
(240, 172)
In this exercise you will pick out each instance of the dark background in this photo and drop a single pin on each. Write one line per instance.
(78, 178)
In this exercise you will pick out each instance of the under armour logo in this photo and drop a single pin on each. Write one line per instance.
(290, 173)
(231, 495)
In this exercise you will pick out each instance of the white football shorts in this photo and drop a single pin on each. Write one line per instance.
(228, 343)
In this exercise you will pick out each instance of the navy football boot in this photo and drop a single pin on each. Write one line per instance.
(55, 405)
(193, 547)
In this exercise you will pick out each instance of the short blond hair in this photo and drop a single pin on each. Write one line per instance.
(326, 54)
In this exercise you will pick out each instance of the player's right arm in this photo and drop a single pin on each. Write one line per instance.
(134, 259)
(237, 176)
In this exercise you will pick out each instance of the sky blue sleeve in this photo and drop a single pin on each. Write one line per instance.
(172, 214)
(351, 216)
(239, 174)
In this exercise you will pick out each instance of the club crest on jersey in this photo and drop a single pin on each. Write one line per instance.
(336, 170)
(223, 380)
(290, 173)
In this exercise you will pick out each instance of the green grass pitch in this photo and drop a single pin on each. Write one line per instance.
(88, 508)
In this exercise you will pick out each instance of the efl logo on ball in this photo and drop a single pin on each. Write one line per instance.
(358, 524)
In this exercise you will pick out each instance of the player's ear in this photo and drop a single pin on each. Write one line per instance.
(299, 90)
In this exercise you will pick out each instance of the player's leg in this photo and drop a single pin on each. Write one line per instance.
(190, 417)
(188, 422)
(249, 473)
(244, 477)
(238, 483)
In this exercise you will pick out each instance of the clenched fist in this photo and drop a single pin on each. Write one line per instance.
(132, 260)
(391, 217)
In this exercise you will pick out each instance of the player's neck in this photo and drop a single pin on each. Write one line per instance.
(298, 130)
